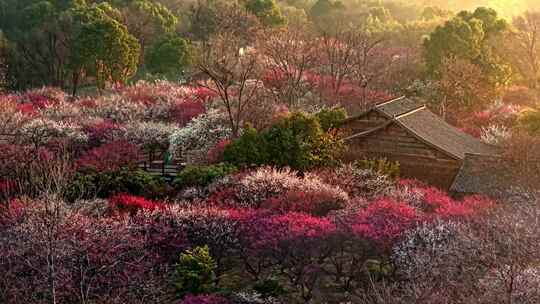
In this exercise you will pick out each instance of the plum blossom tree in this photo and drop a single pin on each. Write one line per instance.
(234, 75)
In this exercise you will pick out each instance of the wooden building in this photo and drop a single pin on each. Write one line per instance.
(404, 130)
(493, 176)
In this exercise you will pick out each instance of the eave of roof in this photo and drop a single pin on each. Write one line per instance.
(427, 127)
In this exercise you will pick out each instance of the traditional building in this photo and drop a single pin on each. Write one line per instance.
(492, 176)
(404, 130)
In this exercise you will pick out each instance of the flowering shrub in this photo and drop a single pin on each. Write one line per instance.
(358, 182)
(44, 96)
(495, 134)
(385, 221)
(497, 113)
(317, 203)
(423, 248)
(215, 154)
(116, 109)
(110, 157)
(184, 111)
(106, 258)
(265, 183)
(6, 187)
(11, 212)
(381, 166)
(103, 131)
(124, 203)
(92, 208)
(28, 109)
(41, 131)
(294, 241)
(63, 111)
(204, 299)
(149, 135)
(523, 288)
(216, 228)
(150, 93)
(251, 298)
(200, 135)
(434, 203)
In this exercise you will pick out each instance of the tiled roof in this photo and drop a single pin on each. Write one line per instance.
(487, 175)
(434, 131)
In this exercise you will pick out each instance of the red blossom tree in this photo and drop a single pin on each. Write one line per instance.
(184, 111)
(125, 203)
(385, 221)
(110, 157)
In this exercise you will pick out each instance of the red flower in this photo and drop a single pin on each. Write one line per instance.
(110, 157)
(385, 221)
(215, 154)
(125, 203)
(101, 131)
(28, 109)
(184, 111)
(204, 94)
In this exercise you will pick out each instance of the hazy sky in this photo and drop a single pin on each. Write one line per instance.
(506, 7)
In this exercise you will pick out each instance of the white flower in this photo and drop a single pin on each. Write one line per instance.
(41, 130)
(495, 134)
(150, 134)
(116, 109)
(200, 135)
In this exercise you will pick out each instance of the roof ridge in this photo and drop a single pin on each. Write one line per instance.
(421, 107)
(427, 142)
(389, 101)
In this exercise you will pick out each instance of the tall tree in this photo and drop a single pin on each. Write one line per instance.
(38, 33)
(469, 36)
(234, 75)
(169, 57)
(267, 11)
(325, 13)
(148, 21)
(461, 87)
(523, 47)
(291, 54)
(102, 48)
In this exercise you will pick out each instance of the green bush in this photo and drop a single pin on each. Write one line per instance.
(202, 175)
(269, 288)
(331, 118)
(248, 150)
(195, 272)
(103, 185)
(297, 141)
(169, 57)
(529, 121)
(381, 166)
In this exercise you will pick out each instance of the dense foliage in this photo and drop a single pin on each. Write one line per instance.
(297, 141)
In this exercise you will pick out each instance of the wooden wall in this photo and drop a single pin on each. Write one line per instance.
(417, 159)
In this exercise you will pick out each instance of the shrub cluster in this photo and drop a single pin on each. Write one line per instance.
(297, 141)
